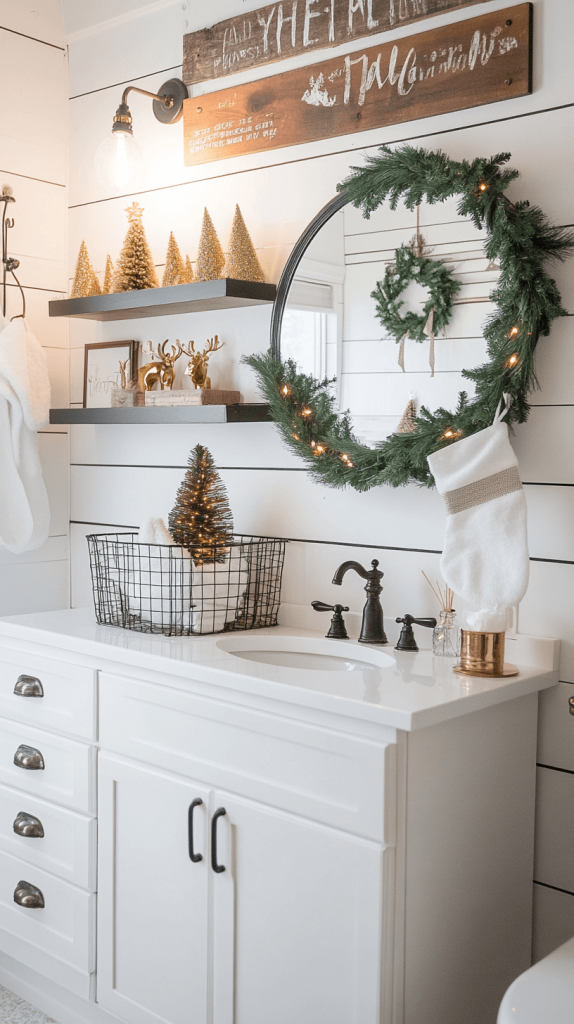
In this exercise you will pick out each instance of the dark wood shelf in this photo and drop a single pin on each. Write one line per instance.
(167, 414)
(180, 298)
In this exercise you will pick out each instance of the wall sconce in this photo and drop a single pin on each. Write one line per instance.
(119, 160)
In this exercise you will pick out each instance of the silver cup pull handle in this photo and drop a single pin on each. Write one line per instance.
(28, 686)
(28, 826)
(29, 758)
(27, 895)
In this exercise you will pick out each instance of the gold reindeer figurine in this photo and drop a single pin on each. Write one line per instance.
(161, 370)
(197, 366)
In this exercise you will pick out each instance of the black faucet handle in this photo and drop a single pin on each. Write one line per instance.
(320, 606)
(430, 623)
(337, 629)
(406, 641)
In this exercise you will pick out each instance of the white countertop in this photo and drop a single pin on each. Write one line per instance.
(413, 691)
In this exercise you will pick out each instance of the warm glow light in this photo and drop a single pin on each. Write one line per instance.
(119, 162)
(285, 390)
(306, 412)
(513, 332)
(513, 360)
(296, 436)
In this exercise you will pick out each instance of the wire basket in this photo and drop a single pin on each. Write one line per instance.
(158, 588)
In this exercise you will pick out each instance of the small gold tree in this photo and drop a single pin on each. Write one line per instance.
(85, 280)
(174, 266)
(210, 258)
(108, 276)
(242, 262)
(201, 518)
(135, 268)
(188, 275)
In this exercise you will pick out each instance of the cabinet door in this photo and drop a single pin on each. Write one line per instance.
(298, 915)
(152, 901)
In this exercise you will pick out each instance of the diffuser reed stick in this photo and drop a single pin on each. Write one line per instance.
(445, 598)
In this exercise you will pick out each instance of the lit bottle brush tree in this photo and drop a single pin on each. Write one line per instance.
(135, 268)
(201, 518)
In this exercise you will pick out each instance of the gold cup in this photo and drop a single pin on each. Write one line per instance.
(482, 654)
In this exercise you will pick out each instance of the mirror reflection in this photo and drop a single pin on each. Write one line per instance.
(330, 325)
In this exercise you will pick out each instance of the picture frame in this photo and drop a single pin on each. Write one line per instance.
(102, 370)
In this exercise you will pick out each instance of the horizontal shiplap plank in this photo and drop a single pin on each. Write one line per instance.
(34, 587)
(543, 447)
(54, 458)
(57, 359)
(33, 129)
(546, 610)
(39, 214)
(381, 355)
(387, 394)
(41, 20)
(238, 444)
(54, 550)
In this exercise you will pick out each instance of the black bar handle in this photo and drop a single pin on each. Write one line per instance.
(218, 868)
(195, 857)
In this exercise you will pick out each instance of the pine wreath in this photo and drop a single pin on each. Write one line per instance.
(519, 238)
(407, 267)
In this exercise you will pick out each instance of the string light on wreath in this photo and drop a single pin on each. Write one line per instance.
(518, 237)
(285, 389)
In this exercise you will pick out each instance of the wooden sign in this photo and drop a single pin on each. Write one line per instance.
(449, 68)
(293, 27)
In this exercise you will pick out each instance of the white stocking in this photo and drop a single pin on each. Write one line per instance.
(485, 557)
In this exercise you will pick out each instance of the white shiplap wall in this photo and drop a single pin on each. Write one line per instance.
(33, 147)
(120, 475)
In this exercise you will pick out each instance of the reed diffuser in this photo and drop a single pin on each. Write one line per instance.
(446, 634)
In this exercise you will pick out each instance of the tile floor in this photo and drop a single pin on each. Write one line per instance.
(14, 1010)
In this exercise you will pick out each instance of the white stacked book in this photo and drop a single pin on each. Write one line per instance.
(197, 396)
(173, 397)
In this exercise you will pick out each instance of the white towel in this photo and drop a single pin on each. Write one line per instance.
(485, 556)
(24, 409)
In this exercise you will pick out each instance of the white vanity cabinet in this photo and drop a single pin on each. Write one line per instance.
(274, 846)
(288, 930)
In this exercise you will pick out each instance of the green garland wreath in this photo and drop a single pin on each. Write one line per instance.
(407, 267)
(520, 239)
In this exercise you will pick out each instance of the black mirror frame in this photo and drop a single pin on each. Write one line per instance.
(290, 269)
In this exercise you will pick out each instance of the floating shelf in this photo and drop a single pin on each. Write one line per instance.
(180, 298)
(170, 414)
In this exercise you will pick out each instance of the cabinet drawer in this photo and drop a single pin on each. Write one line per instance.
(556, 727)
(64, 928)
(325, 775)
(68, 701)
(554, 842)
(68, 776)
(553, 921)
(67, 847)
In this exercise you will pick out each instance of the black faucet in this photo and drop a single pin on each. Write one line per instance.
(372, 627)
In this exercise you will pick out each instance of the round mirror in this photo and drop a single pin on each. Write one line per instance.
(326, 320)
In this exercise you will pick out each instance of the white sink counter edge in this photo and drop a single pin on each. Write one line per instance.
(415, 691)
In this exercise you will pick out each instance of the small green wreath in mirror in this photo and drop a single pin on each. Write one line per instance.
(409, 267)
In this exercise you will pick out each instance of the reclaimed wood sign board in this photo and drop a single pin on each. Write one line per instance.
(449, 68)
(293, 27)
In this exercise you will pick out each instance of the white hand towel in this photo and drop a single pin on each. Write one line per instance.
(485, 557)
(24, 408)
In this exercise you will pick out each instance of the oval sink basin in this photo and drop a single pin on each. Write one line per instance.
(306, 654)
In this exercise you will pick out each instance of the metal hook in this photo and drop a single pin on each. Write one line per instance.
(23, 313)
